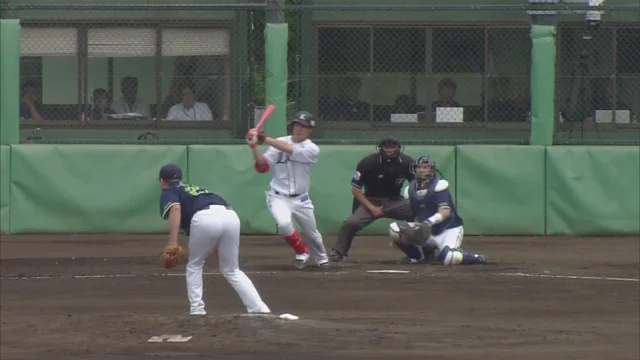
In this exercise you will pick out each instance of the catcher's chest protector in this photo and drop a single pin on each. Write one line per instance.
(423, 201)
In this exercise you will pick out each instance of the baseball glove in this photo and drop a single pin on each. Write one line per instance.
(171, 256)
(414, 233)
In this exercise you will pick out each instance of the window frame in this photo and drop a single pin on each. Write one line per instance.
(82, 27)
(428, 26)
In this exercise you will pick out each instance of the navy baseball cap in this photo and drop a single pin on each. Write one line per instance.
(304, 118)
(171, 172)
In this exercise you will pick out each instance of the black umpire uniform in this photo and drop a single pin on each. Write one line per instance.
(381, 174)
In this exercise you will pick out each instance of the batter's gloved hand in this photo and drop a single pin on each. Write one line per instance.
(255, 137)
(171, 256)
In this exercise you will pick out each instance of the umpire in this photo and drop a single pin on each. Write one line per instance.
(382, 175)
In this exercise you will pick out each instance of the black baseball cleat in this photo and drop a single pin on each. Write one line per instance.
(336, 256)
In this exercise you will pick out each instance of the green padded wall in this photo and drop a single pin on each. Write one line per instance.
(5, 188)
(593, 190)
(88, 188)
(501, 189)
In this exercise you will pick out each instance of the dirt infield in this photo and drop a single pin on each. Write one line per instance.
(101, 297)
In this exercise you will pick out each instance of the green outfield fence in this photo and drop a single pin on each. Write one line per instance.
(470, 83)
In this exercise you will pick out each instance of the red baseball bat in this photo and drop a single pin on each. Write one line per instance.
(265, 115)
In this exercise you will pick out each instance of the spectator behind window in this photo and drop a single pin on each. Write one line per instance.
(30, 106)
(446, 94)
(346, 106)
(129, 103)
(502, 107)
(189, 109)
(100, 108)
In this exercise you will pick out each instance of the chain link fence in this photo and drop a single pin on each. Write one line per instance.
(473, 80)
(598, 83)
(458, 75)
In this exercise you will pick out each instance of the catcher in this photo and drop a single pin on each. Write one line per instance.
(436, 235)
(210, 223)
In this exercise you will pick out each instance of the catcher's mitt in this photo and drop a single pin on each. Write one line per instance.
(171, 256)
(413, 233)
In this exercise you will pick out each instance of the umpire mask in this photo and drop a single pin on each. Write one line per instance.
(389, 148)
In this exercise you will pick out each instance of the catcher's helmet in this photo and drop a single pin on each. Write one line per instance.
(304, 118)
(389, 142)
(424, 168)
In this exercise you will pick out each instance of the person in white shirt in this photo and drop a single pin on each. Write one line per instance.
(290, 158)
(189, 109)
(129, 102)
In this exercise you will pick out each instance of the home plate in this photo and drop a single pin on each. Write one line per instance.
(288, 317)
(388, 271)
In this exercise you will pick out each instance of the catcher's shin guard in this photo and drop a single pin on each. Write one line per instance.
(473, 259)
(450, 256)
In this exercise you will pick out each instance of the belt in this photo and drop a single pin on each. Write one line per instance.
(287, 195)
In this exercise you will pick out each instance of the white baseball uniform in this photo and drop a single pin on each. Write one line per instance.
(218, 226)
(288, 197)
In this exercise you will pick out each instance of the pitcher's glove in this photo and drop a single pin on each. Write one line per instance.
(171, 256)
(414, 233)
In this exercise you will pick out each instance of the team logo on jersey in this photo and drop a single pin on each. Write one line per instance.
(356, 175)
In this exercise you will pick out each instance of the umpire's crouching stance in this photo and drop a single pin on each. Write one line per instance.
(382, 175)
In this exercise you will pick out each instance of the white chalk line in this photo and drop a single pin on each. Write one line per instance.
(574, 277)
(106, 276)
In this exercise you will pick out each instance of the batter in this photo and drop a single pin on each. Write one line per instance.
(290, 159)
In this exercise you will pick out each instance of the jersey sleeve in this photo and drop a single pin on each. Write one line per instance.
(168, 199)
(271, 155)
(443, 199)
(358, 176)
(305, 153)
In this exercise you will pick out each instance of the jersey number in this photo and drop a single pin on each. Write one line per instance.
(194, 190)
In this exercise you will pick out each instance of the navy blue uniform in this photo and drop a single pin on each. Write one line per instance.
(426, 205)
(191, 200)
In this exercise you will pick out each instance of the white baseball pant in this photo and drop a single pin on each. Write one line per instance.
(451, 237)
(287, 210)
(218, 226)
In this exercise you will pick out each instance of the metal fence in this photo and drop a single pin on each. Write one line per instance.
(598, 83)
(196, 73)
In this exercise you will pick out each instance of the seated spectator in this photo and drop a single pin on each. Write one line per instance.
(100, 108)
(405, 105)
(346, 106)
(189, 109)
(446, 94)
(502, 107)
(129, 102)
(30, 106)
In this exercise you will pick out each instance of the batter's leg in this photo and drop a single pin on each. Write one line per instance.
(228, 259)
(205, 233)
(354, 223)
(280, 209)
(304, 215)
